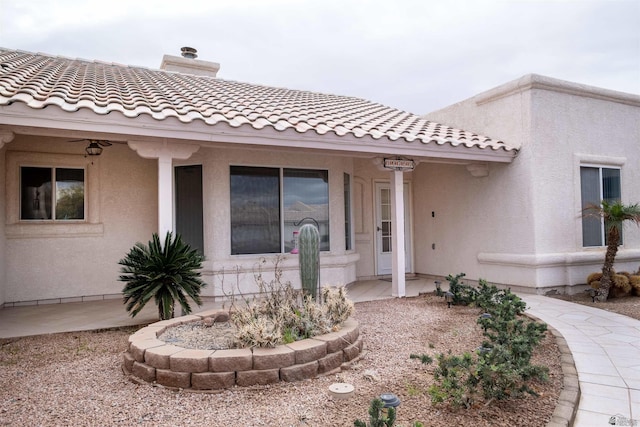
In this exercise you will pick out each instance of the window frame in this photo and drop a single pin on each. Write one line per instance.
(54, 198)
(15, 228)
(600, 167)
(281, 201)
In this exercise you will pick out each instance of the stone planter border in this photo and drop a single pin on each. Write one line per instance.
(155, 361)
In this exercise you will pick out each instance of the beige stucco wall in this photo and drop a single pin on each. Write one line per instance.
(559, 126)
(80, 260)
(227, 273)
(73, 260)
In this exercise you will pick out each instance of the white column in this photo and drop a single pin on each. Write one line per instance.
(165, 195)
(165, 152)
(397, 233)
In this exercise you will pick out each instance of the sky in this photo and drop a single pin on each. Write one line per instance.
(414, 55)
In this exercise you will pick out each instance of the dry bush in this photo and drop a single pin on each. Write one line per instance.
(634, 281)
(280, 313)
(337, 305)
(620, 286)
(594, 277)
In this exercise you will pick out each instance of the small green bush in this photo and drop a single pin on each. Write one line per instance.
(377, 418)
(503, 368)
(463, 294)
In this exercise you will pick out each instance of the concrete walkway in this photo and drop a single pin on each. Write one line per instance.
(605, 346)
(606, 350)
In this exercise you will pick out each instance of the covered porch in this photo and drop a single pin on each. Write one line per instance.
(55, 317)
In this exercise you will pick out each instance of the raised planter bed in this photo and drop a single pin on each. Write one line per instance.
(155, 361)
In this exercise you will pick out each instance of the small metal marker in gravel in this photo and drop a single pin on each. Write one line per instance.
(341, 391)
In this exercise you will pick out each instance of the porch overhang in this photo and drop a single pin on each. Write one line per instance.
(22, 119)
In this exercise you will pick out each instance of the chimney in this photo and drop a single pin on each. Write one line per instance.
(188, 64)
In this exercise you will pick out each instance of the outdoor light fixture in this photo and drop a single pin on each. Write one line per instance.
(485, 316)
(448, 297)
(482, 349)
(389, 400)
(94, 149)
(592, 294)
(438, 288)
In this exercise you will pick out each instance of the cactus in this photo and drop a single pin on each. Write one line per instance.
(309, 259)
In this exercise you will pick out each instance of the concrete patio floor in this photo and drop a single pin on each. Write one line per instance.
(605, 346)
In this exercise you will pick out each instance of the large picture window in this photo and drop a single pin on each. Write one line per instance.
(597, 184)
(269, 204)
(48, 193)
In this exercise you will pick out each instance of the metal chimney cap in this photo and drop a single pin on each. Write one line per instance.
(189, 52)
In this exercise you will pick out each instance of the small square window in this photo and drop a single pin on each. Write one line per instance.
(56, 194)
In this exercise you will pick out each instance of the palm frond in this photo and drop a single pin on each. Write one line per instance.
(166, 272)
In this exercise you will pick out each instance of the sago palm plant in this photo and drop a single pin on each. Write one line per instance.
(167, 272)
(615, 215)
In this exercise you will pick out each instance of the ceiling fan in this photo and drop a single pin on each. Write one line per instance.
(95, 145)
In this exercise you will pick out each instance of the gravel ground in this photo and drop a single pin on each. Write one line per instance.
(76, 379)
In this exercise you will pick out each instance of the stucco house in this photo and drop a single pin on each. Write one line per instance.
(98, 156)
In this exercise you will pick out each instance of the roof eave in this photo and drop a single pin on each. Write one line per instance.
(57, 121)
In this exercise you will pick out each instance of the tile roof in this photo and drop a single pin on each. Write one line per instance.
(40, 80)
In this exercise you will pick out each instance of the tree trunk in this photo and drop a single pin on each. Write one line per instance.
(607, 267)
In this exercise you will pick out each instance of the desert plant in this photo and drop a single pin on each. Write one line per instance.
(594, 277)
(282, 314)
(503, 368)
(614, 214)
(309, 258)
(376, 416)
(463, 294)
(166, 272)
(338, 306)
(620, 286)
(456, 380)
(634, 281)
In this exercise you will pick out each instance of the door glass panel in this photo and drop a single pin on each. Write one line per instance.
(385, 200)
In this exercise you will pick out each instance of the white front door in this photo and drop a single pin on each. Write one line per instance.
(384, 229)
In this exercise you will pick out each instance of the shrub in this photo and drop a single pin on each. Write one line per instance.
(166, 272)
(377, 417)
(338, 307)
(503, 368)
(282, 314)
(620, 286)
(593, 277)
(463, 294)
(634, 281)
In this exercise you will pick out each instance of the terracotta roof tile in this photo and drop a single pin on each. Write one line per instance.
(40, 80)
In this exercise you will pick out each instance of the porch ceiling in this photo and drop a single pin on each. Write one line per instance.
(207, 109)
